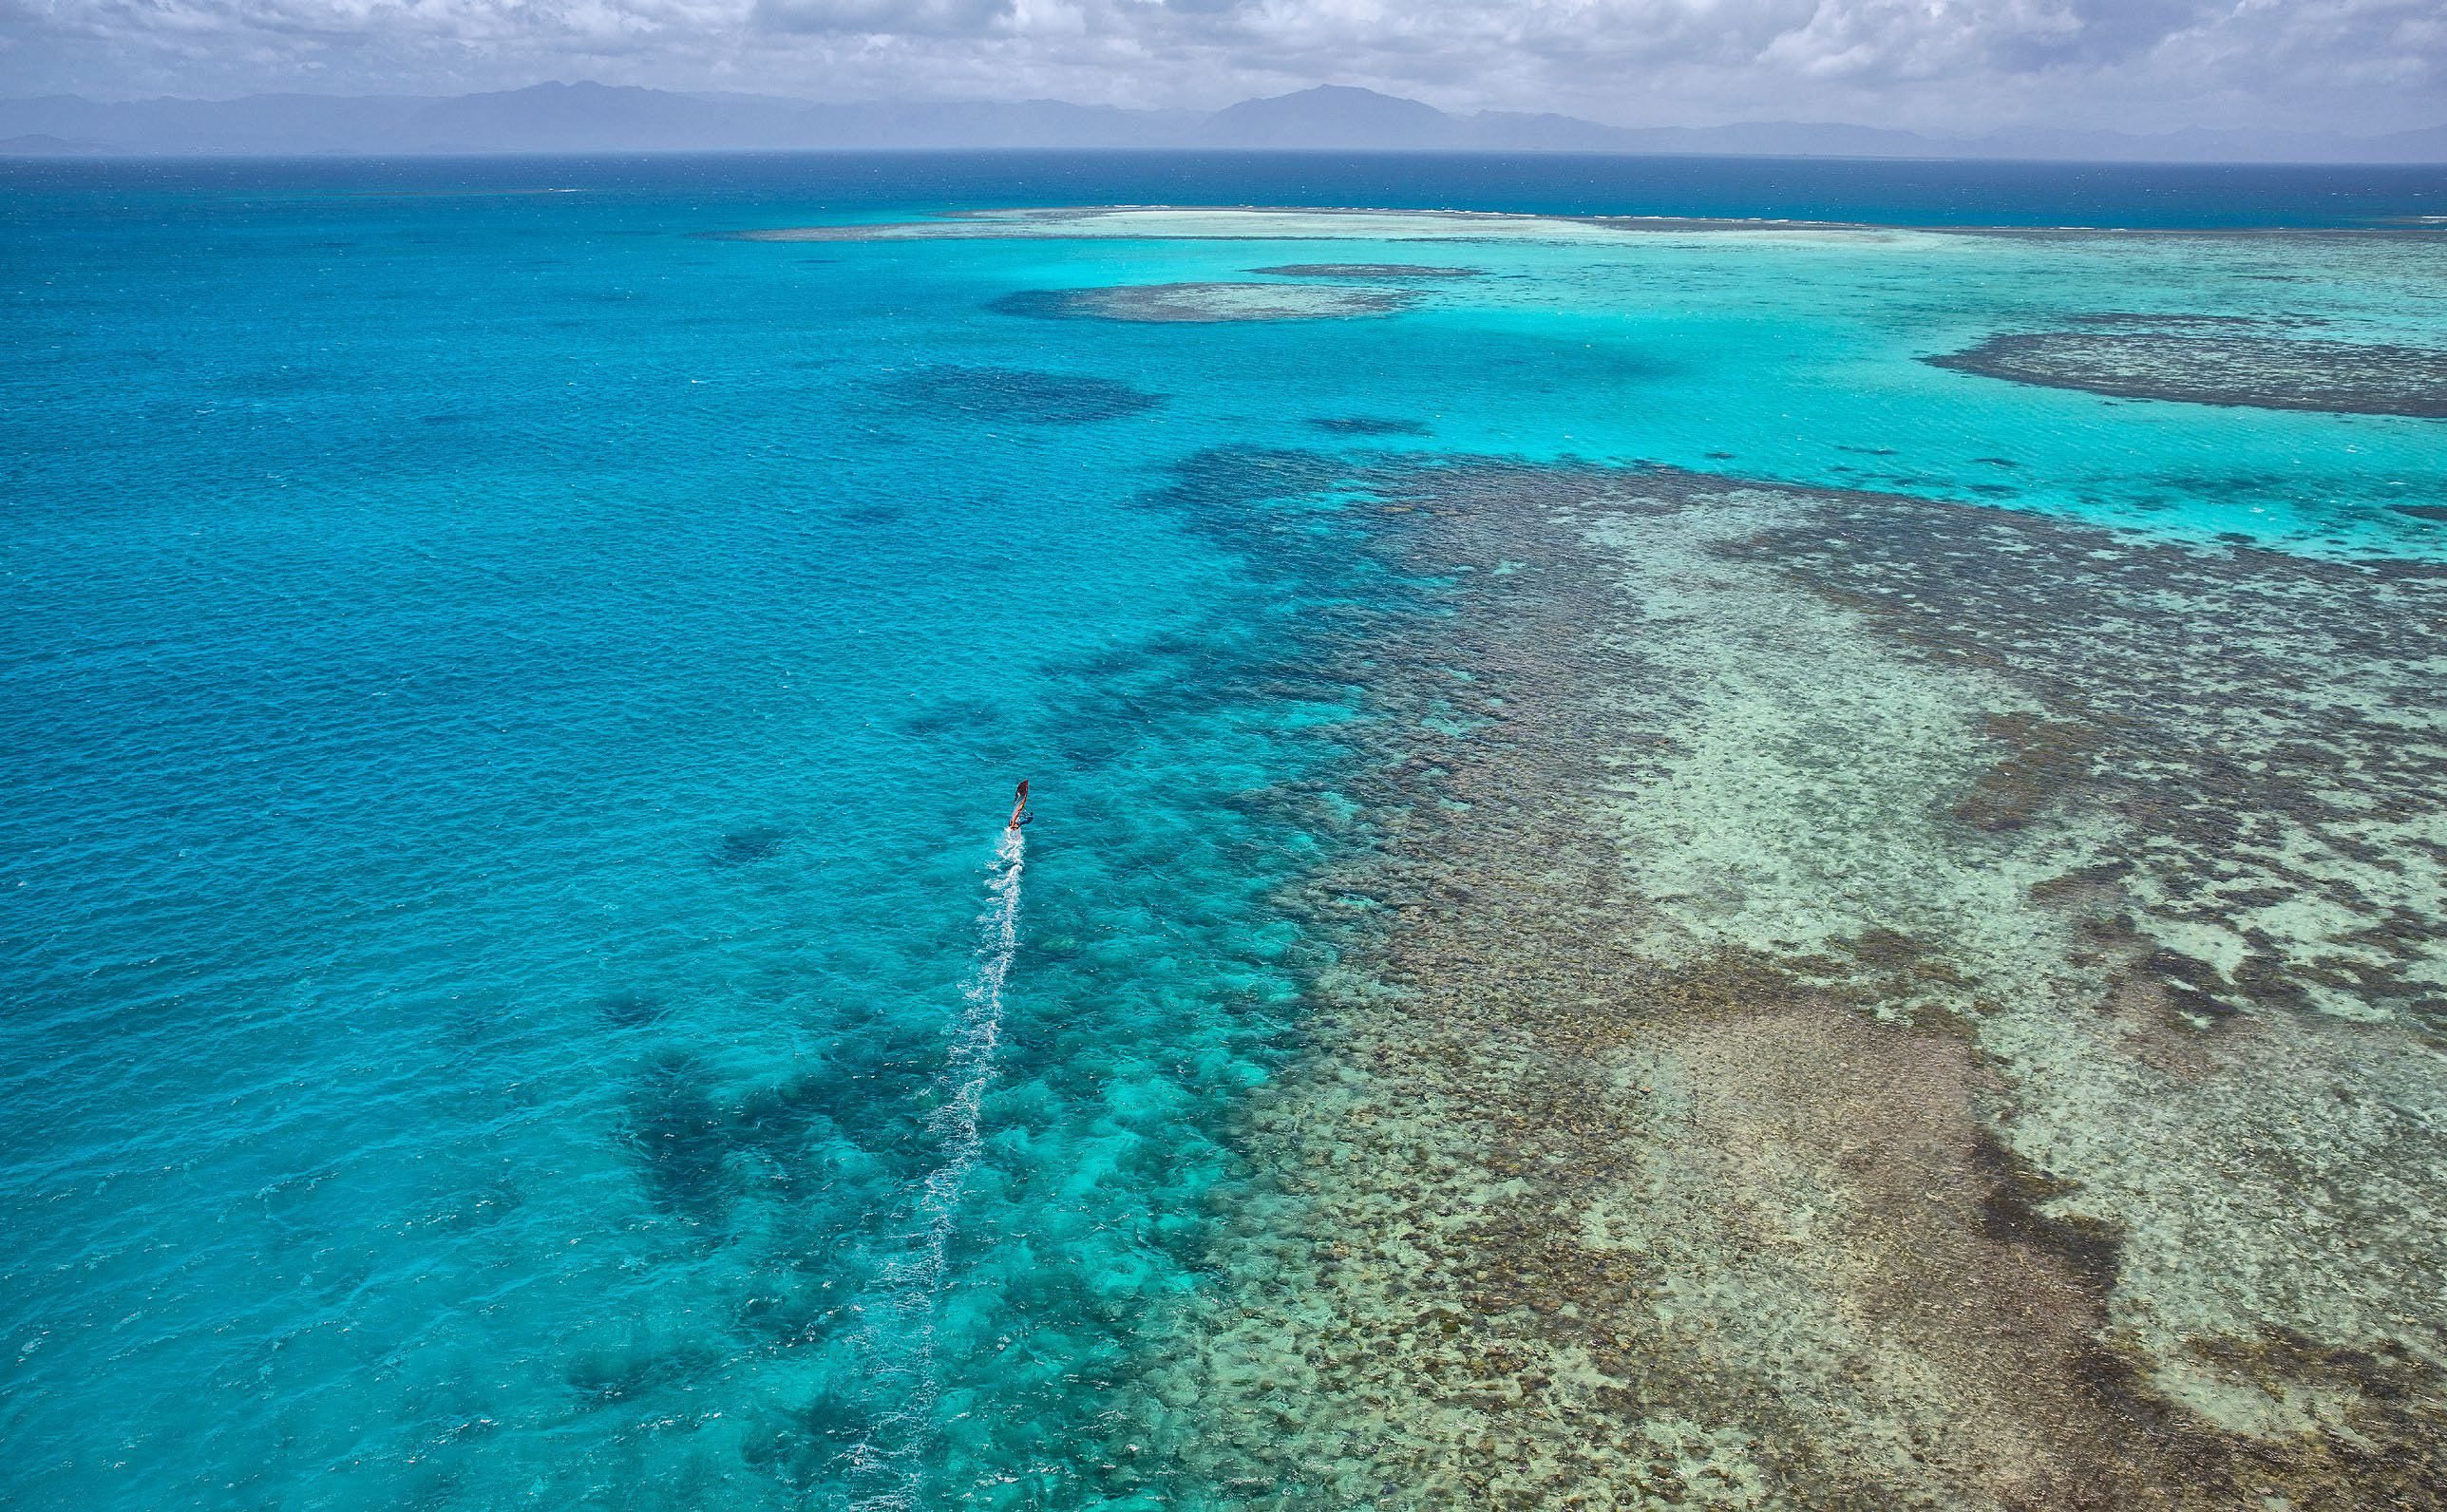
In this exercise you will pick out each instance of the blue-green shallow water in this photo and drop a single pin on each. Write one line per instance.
(509, 704)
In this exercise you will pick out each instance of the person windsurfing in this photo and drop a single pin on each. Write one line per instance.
(1019, 814)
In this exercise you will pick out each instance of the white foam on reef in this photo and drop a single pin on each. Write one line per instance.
(914, 1283)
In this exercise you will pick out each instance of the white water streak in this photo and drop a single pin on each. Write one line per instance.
(914, 1282)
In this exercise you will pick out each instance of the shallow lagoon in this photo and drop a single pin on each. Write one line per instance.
(512, 757)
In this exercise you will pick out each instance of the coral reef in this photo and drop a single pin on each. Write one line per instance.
(1018, 395)
(2189, 359)
(1388, 272)
(1851, 1002)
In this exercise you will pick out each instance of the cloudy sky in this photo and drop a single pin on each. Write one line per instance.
(1933, 65)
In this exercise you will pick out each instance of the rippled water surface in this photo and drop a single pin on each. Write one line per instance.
(517, 991)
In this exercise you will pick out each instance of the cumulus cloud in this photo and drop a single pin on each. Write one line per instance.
(1947, 64)
(904, 18)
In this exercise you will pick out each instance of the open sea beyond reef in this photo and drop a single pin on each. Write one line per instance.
(1721, 834)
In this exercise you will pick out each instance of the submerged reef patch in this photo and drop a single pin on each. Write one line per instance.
(1019, 395)
(1389, 271)
(631, 1008)
(2211, 359)
(1204, 303)
(1369, 425)
(743, 847)
(1847, 1001)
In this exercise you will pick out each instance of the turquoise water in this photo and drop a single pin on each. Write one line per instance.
(511, 701)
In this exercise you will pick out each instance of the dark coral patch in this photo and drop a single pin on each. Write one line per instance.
(2044, 758)
(1204, 303)
(677, 1131)
(2177, 362)
(1391, 271)
(609, 1377)
(1369, 425)
(630, 1009)
(1019, 395)
(758, 842)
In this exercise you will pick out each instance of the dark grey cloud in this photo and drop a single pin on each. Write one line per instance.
(1945, 64)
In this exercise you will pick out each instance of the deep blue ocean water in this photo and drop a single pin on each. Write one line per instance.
(509, 706)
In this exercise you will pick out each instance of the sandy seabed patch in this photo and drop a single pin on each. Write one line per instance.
(1277, 223)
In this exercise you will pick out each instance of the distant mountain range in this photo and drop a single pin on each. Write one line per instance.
(592, 118)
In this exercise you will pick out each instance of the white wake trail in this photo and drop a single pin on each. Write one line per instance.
(914, 1282)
